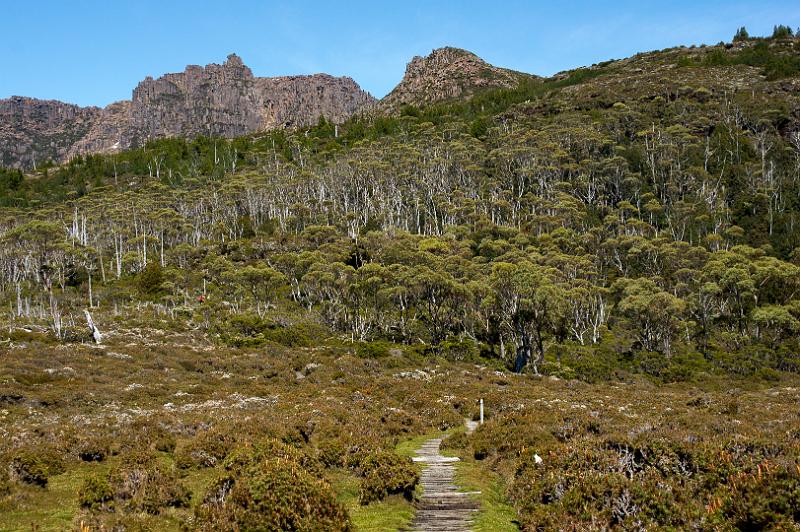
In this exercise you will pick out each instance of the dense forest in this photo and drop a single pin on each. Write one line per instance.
(636, 219)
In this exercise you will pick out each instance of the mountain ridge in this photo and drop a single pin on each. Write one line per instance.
(227, 100)
(218, 100)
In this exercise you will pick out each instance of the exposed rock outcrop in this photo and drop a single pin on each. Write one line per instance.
(227, 100)
(220, 100)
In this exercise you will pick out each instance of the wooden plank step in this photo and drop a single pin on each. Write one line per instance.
(442, 507)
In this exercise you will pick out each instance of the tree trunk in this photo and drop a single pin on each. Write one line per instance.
(523, 353)
(96, 336)
(539, 351)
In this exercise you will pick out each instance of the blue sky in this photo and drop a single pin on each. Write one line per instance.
(94, 53)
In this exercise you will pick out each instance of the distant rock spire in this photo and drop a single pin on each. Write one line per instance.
(234, 60)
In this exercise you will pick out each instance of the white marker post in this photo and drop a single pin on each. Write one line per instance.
(481, 411)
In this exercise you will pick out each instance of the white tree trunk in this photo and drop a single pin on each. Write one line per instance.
(96, 336)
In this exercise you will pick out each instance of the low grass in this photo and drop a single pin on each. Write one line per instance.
(409, 447)
(198, 480)
(496, 514)
(53, 507)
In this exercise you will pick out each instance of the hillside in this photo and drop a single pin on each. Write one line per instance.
(609, 257)
(216, 100)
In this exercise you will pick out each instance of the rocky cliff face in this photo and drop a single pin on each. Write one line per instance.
(220, 100)
(300, 100)
(109, 132)
(35, 130)
(445, 74)
(227, 100)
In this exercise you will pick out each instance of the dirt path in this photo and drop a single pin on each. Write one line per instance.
(442, 507)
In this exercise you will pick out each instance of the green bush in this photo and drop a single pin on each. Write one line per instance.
(386, 473)
(207, 449)
(743, 362)
(502, 435)
(589, 365)
(25, 336)
(458, 349)
(250, 330)
(768, 499)
(292, 336)
(457, 440)
(558, 370)
(150, 280)
(275, 494)
(246, 457)
(36, 466)
(768, 374)
(141, 484)
(95, 493)
(29, 469)
(373, 350)
(690, 364)
(332, 451)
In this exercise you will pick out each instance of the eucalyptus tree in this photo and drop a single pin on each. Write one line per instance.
(262, 282)
(529, 306)
(654, 313)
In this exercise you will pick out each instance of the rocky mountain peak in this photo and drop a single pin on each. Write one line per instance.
(447, 73)
(440, 58)
(211, 100)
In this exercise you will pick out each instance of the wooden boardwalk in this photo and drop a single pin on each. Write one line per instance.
(442, 508)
